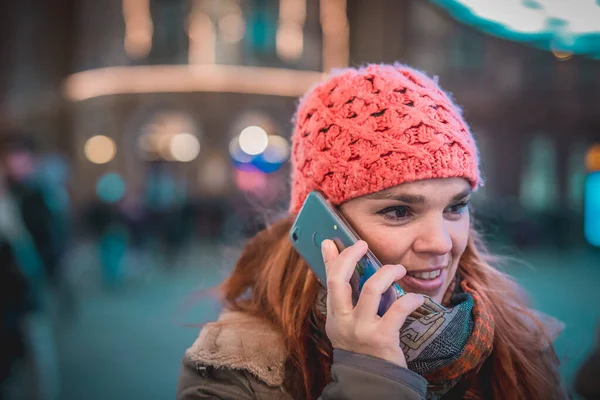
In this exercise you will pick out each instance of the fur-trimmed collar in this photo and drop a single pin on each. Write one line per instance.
(243, 342)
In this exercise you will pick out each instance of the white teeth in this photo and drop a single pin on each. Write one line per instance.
(426, 275)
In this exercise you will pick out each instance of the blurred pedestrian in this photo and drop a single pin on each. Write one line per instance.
(44, 217)
(15, 304)
(165, 201)
(29, 225)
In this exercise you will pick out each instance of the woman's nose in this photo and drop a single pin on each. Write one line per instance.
(433, 237)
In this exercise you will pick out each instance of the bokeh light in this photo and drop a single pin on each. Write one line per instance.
(236, 152)
(213, 174)
(277, 151)
(169, 135)
(290, 42)
(250, 180)
(184, 147)
(139, 28)
(592, 209)
(100, 149)
(110, 188)
(562, 55)
(253, 140)
(232, 27)
(146, 147)
(271, 159)
(592, 158)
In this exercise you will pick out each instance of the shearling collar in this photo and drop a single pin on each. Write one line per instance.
(243, 342)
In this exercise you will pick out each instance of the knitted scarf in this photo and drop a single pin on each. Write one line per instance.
(445, 344)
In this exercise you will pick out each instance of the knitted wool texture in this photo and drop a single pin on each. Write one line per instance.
(369, 129)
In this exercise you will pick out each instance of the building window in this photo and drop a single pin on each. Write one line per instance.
(577, 174)
(170, 37)
(539, 182)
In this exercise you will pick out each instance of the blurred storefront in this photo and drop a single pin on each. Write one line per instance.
(201, 92)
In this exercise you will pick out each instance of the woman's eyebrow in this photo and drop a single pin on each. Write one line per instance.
(412, 198)
(462, 194)
(404, 198)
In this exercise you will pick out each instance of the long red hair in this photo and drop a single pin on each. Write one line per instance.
(271, 281)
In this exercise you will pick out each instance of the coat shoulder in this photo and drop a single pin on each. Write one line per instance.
(238, 341)
(198, 381)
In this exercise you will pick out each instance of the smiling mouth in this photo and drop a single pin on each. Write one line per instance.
(426, 282)
(427, 275)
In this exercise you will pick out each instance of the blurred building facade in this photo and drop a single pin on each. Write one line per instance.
(133, 70)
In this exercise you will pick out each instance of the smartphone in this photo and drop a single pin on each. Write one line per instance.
(319, 220)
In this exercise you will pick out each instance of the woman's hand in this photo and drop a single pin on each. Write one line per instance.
(358, 328)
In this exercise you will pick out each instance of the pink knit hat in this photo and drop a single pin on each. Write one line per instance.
(369, 129)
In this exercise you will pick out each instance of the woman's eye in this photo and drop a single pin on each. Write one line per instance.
(396, 213)
(459, 208)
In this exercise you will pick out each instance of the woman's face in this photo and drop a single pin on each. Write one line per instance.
(422, 225)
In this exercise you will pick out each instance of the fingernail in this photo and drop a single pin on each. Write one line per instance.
(362, 245)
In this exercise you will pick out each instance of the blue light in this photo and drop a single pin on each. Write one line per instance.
(110, 188)
(259, 163)
(550, 25)
(265, 166)
(592, 209)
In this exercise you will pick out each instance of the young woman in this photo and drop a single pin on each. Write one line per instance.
(387, 146)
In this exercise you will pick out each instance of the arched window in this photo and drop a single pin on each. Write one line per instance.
(539, 182)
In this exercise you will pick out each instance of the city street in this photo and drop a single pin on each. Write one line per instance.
(127, 344)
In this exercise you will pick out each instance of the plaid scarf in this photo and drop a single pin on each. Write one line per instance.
(447, 344)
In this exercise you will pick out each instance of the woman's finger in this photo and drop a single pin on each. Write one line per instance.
(374, 287)
(349, 257)
(401, 309)
(339, 270)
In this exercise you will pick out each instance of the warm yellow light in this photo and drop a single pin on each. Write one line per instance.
(138, 28)
(100, 149)
(290, 42)
(185, 78)
(213, 174)
(290, 35)
(253, 140)
(562, 55)
(146, 143)
(201, 32)
(184, 147)
(336, 34)
(162, 143)
(592, 158)
(277, 151)
(138, 38)
(232, 27)
(147, 147)
(292, 11)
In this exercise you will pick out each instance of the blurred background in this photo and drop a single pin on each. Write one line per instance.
(142, 141)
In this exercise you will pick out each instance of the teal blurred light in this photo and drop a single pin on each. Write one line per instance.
(262, 27)
(566, 26)
(110, 188)
(592, 209)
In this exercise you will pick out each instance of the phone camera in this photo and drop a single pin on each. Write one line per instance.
(295, 236)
